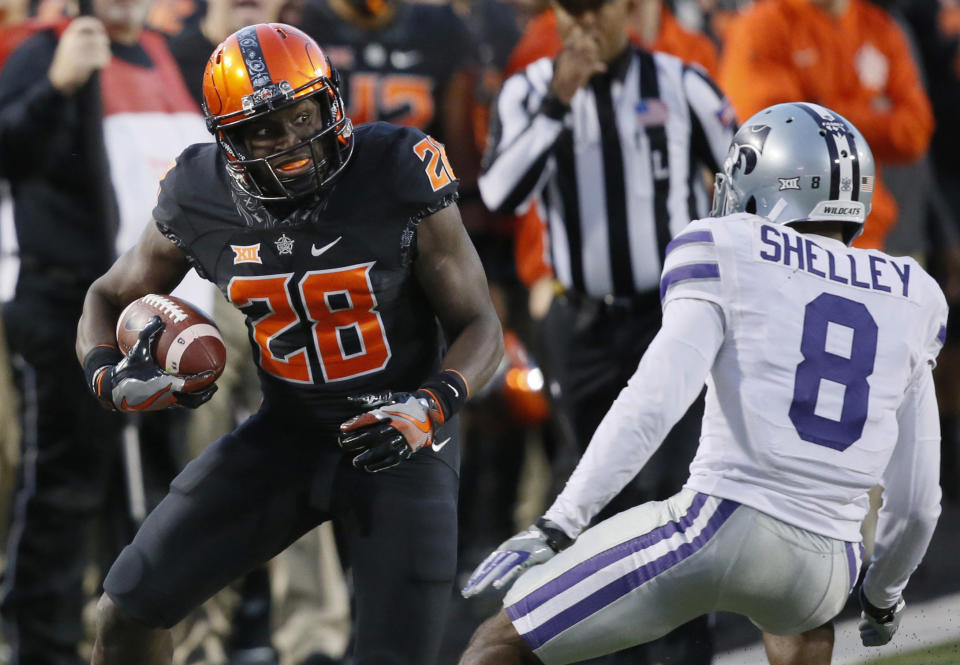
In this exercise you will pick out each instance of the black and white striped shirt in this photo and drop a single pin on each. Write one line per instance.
(619, 173)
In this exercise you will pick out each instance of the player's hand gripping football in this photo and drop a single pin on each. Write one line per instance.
(528, 548)
(877, 626)
(137, 383)
(395, 426)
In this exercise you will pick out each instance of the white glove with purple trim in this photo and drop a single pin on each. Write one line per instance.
(528, 548)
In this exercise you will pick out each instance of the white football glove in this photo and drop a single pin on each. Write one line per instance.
(528, 548)
(877, 626)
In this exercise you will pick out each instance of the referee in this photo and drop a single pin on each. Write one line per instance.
(614, 141)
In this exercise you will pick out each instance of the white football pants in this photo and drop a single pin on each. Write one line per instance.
(647, 570)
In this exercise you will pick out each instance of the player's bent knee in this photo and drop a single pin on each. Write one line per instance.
(811, 647)
(497, 642)
(114, 622)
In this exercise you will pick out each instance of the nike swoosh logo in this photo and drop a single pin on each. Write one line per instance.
(145, 403)
(437, 447)
(424, 425)
(318, 251)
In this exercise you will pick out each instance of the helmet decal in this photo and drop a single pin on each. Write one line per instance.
(839, 141)
(747, 147)
(253, 58)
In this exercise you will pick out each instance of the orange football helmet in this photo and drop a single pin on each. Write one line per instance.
(256, 71)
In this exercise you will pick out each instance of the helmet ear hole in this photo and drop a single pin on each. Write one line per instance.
(751, 206)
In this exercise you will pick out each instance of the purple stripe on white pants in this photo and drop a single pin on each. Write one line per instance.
(853, 561)
(583, 570)
(626, 583)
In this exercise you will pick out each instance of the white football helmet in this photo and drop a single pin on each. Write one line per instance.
(798, 162)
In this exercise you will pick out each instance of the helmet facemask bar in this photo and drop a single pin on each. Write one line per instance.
(726, 196)
(330, 148)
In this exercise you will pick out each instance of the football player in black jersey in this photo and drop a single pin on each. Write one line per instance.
(409, 63)
(344, 248)
(400, 62)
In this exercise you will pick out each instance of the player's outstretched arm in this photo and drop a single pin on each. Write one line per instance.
(396, 425)
(450, 272)
(670, 376)
(133, 382)
(908, 516)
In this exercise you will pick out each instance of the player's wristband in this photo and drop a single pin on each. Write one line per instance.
(879, 614)
(557, 538)
(449, 391)
(98, 358)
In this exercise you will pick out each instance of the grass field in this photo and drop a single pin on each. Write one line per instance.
(944, 654)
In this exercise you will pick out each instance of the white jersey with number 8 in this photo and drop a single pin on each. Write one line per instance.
(821, 343)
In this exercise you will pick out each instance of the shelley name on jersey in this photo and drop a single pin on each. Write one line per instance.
(876, 272)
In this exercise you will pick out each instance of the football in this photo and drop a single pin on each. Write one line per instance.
(190, 342)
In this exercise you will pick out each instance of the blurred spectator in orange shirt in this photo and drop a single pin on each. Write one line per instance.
(655, 28)
(848, 55)
(711, 17)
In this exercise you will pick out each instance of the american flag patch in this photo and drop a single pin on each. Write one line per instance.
(651, 113)
(866, 183)
(726, 115)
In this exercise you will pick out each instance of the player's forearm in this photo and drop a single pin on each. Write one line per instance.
(152, 266)
(900, 546)
(476, 351)
(667, 381)
(96, 327)
(911, 497)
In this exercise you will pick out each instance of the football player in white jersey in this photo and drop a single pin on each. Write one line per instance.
(817, 359)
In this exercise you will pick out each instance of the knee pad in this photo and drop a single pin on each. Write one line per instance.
(131, 597)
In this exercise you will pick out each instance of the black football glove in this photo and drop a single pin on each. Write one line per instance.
(395, 426)
(137, 383)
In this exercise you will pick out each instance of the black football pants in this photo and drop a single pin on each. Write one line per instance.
(259, 488)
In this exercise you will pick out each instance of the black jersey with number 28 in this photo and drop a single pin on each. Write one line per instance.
(332, 305)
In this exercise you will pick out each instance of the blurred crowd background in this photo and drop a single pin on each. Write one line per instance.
(892, 67)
